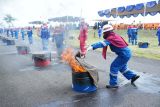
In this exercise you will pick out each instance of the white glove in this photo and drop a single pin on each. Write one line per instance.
(89, 48)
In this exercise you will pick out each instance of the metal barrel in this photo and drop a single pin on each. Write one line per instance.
(10, 42)
(41, 59)
(82, 82)
(23, 50)
(4, 40)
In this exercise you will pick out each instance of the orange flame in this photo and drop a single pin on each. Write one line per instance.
(68, 57)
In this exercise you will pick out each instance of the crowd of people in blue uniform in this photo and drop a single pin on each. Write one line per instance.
(132, 33)
(45, 33)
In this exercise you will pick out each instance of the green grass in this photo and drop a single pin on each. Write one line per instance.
(153, 52)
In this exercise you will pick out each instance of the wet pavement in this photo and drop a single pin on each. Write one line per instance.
(24, 85)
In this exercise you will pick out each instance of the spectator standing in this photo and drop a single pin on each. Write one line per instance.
(45, 35)
(30, 33)
(83, 37)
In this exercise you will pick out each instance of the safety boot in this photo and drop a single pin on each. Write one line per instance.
(134, 79)
(112, 86)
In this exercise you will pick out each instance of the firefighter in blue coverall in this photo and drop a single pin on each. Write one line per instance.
(16, 33)
(129, 33)
(29, 33)
(45, 35)
(134, 34)
(99, 32)
(58, 36)
(22, 33)
(120, 47)
(12, 32)
(158, 35)
(8, 32)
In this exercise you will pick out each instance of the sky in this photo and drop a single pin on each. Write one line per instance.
(29, 10)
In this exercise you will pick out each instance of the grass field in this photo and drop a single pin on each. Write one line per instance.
(153, 52)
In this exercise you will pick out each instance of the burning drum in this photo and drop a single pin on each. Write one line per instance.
(41, 59)
(84, 76)
(23, 50)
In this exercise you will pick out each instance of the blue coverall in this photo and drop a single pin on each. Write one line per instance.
(134, 34)
(158, 35)
(119, 64)
(16, 33)
(12, 33)
(59, 38)
(29, 33)
(45, 34)
(22, 33)
(99, 32)
(129, 35)
(7, 32)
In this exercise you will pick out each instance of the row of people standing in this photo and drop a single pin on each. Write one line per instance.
(16, 32)
(132, 33)
(55, 33)
(11, 31)
(57, 36)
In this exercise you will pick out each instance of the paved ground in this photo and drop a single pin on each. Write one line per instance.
(23, 85)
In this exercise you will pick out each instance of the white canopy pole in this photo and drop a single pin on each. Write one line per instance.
(144, 13)
(116, 17)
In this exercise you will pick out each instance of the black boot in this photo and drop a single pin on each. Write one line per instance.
(134, 79)
(112, 86)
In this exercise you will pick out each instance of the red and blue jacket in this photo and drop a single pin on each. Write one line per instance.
(117, 44)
